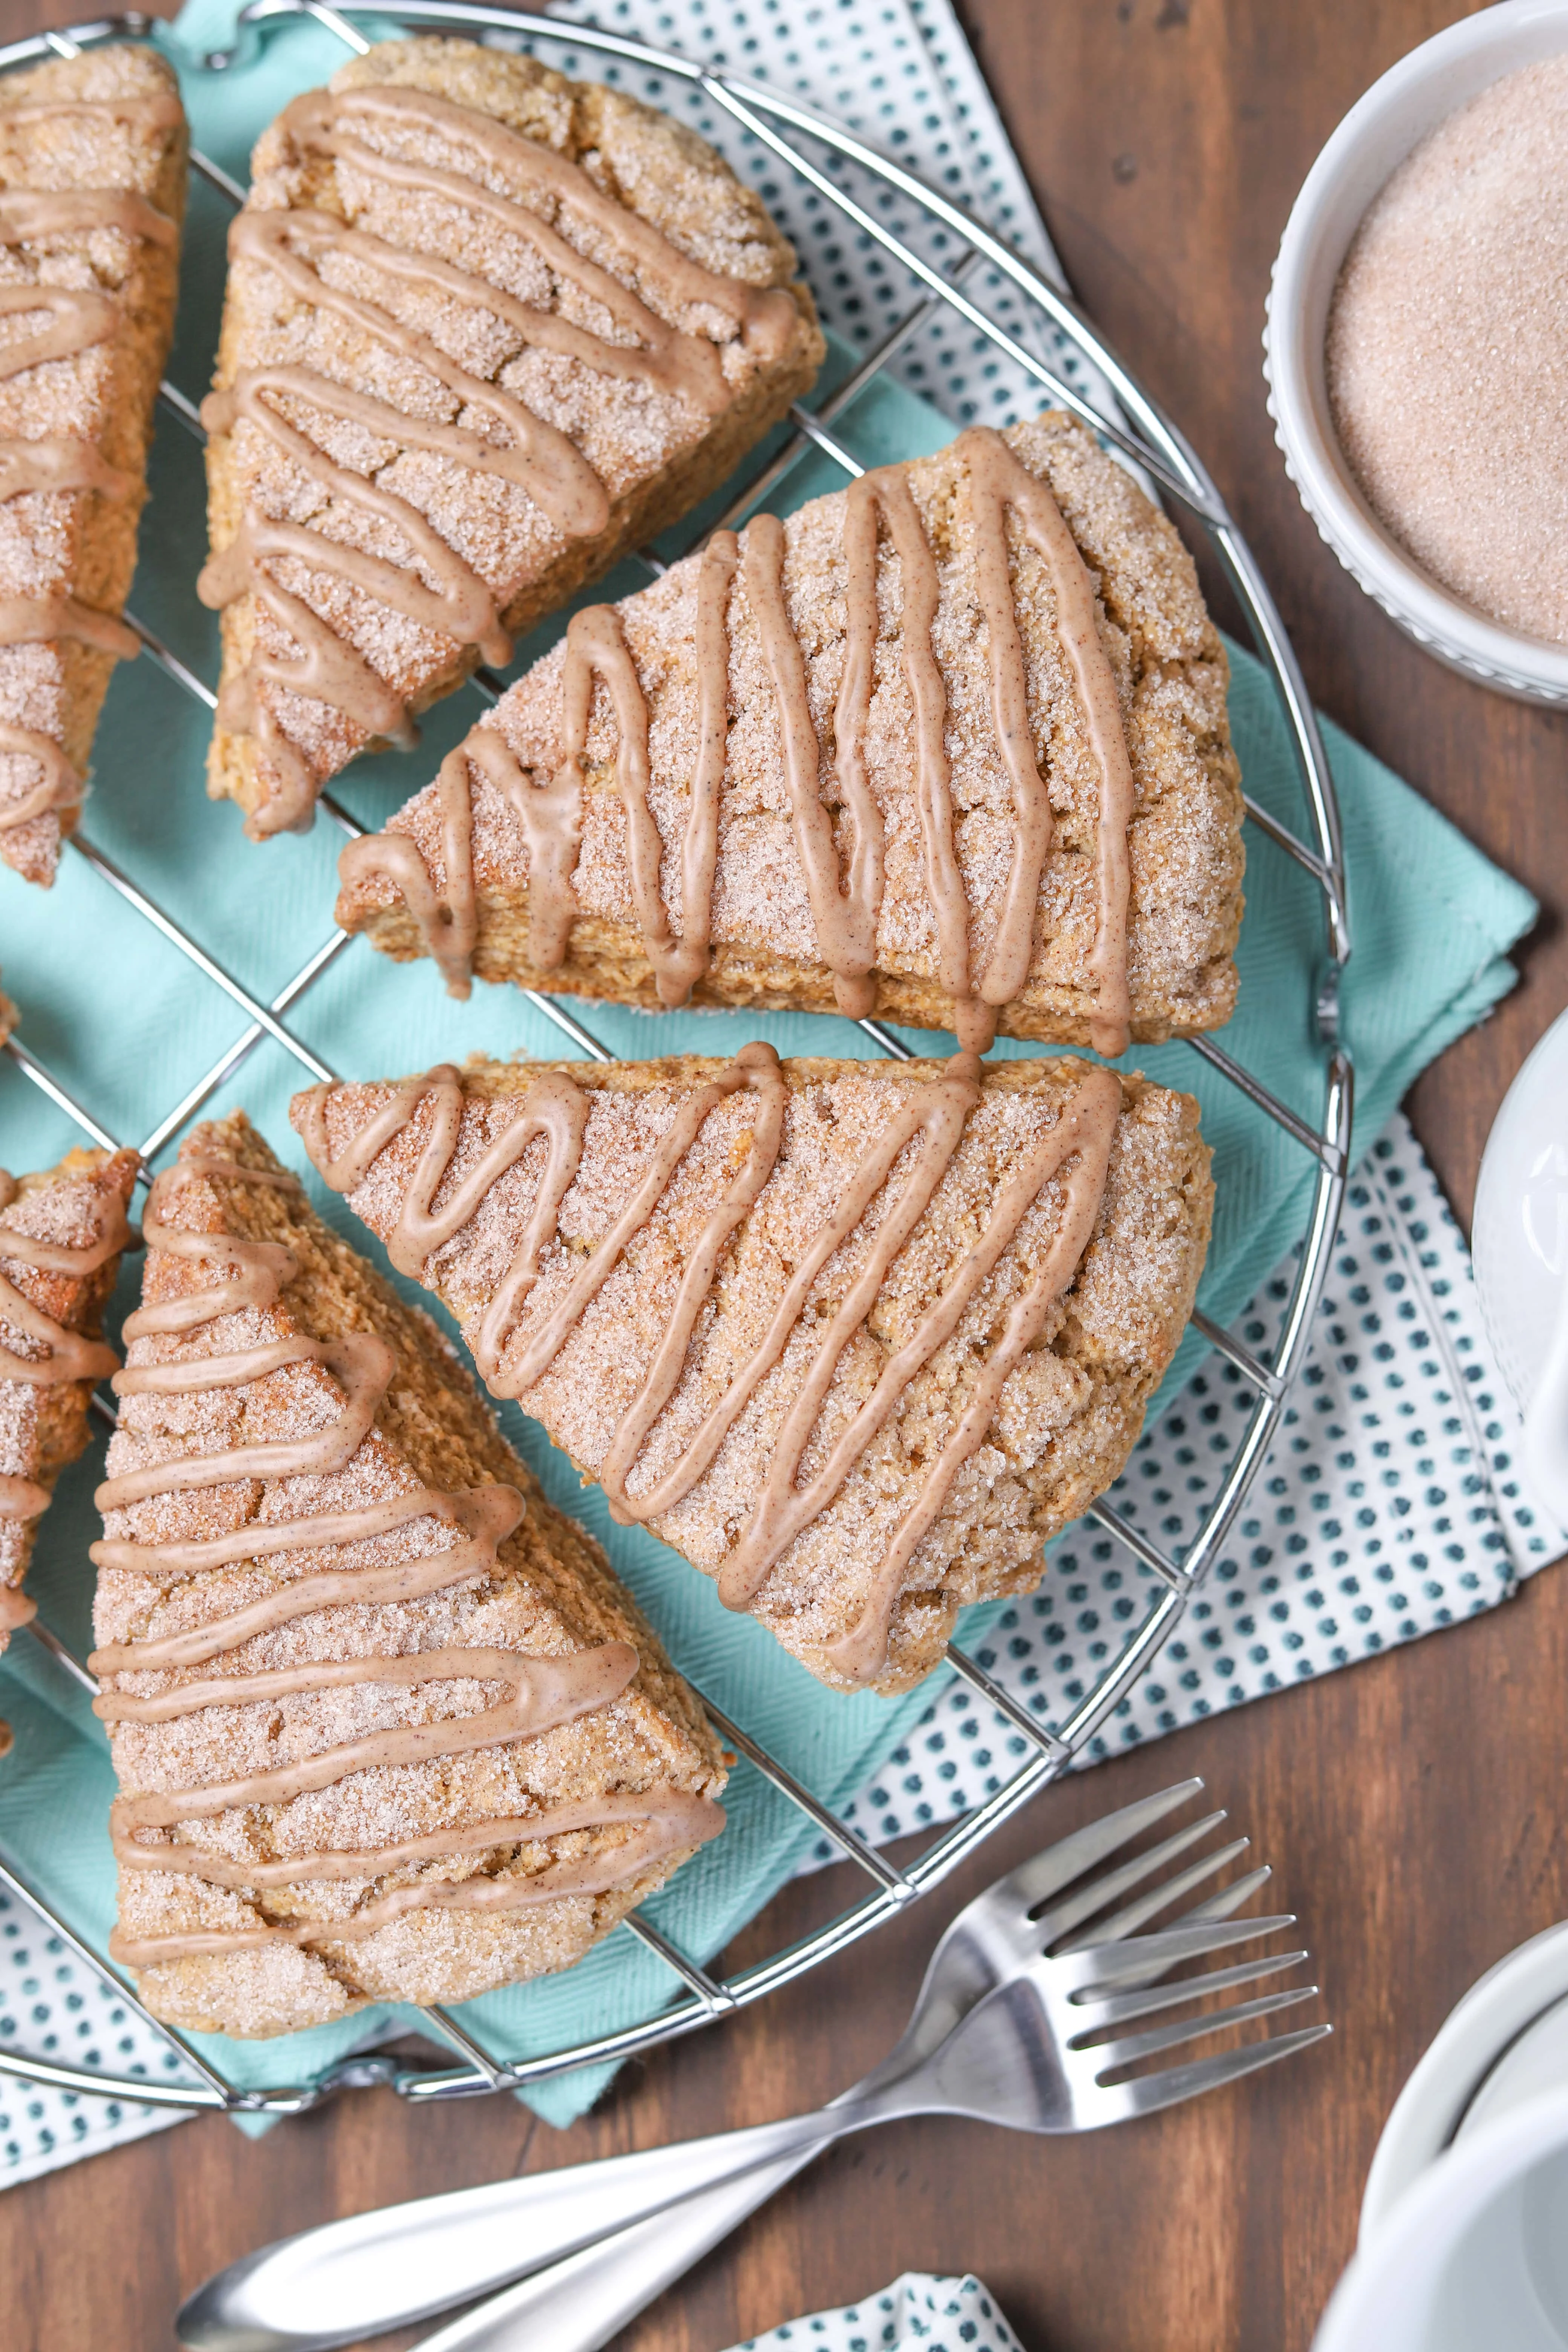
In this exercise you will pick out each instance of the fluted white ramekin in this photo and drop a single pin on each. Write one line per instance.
(1374, 138)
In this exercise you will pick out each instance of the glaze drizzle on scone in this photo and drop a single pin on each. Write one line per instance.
(54, 1280)
(931, 1124)
(906, 753)
(87, 276)
(463, 208)
(776, 1309)
(845, 906)
(399, 1555)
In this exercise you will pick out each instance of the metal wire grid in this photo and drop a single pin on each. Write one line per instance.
(1147, 438)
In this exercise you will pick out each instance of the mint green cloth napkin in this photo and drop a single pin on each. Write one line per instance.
(127, 1025)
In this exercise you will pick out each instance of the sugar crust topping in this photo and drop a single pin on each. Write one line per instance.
(83, 143)
(1019, 766)
(782, 1320)
(457, 347)
(331, 1707)
(57, 1233)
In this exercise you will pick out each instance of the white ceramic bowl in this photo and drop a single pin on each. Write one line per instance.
(1537, 2062)
(1474, 2258)
(1520, 1246)
(1498, 2009)
(1374, 138)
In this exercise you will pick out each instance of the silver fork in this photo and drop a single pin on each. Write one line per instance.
(592, 2244)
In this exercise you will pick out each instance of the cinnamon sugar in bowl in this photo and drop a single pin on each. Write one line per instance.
(1416, 346)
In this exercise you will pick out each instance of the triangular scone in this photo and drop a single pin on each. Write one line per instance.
(61, 1233)
(385, 1725)
(486, 328)
(853, 1337)
(92, 191)
(968, 766)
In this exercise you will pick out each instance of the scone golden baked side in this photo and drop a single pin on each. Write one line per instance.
(385, 1724)
(486, 327)
(854, 1337)
(93, 192)
(949, 745)
(61, 1233)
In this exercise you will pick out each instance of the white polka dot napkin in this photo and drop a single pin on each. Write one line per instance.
(917, 2313)
(1392, 1505)
(900, 75)
(54, 2006)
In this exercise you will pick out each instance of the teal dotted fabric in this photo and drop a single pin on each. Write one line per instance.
(1392, 1506)
(938, 2314)
(53, 2006)
(902, 77)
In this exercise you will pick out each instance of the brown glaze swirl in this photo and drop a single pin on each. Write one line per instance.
(65, 1355)
(845, 896)
(28, 213)
(78, 319)
(536, 1693)
(932, 1116)
(59, 1355)
(40, 620)
(16, 1608)
(59, 465)
(517, 446)
(159, 109)
(996, 482)
(60, 788)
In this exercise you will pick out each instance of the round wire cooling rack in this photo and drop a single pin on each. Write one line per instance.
(1145, 435)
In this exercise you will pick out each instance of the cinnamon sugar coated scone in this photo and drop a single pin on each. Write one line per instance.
(950, 746)
(61, 1234)
(93, 192)
(855, 1337)
(385, 1724)
(486, 328)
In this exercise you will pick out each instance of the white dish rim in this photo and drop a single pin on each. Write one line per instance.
(1500, 2092)
(1497, 2008)
(1373, 139)
(1371, 2295)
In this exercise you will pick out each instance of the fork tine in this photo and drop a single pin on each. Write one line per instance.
(1035, 1880)
(1085, 1902)
(1151, 2092)
(1229, 1898)
(1118, 2007)
(1144, 1957)
(1132, 1914)
(1109, 2055)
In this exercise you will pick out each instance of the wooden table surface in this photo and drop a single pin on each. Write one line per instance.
(1412, 1807)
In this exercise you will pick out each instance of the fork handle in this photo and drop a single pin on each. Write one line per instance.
(578, 2304)
(355, 2278)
